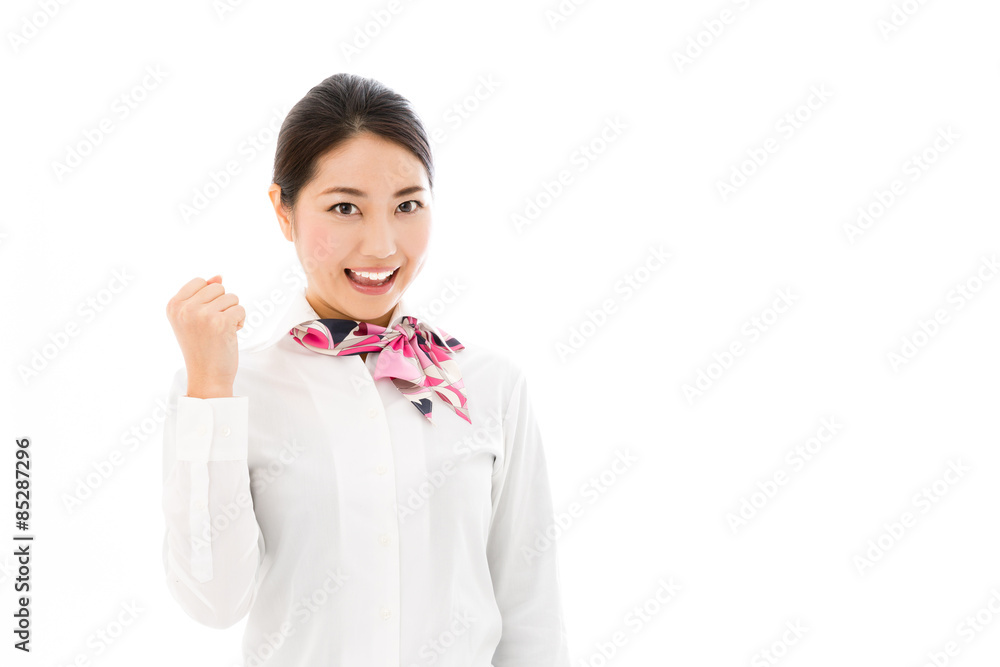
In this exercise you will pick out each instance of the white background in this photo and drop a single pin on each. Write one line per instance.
(686, 128)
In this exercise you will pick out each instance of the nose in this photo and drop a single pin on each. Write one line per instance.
(378, 236)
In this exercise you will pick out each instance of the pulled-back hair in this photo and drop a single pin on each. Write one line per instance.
(334, 111)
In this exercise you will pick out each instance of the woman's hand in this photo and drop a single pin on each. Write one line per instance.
(205, 320)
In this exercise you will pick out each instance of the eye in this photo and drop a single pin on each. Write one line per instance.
(339, 204)
(413, 209)
(414, 205)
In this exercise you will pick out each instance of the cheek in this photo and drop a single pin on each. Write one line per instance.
(321, 247)
(416, 239)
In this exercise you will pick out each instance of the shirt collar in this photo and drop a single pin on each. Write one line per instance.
(299, 311)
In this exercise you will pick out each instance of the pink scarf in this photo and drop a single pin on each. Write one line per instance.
(413, 356)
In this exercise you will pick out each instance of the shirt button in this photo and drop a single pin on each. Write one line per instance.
(384, 539)
(225, 431)
(386, 614)
(372, 413)
(202, 430)
(380, 469)
(199, 505)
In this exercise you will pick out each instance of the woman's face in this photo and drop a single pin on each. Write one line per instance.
(367, 209)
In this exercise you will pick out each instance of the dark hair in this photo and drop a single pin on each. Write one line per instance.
(335, 110)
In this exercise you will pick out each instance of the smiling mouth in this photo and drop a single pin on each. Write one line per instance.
(369, 282)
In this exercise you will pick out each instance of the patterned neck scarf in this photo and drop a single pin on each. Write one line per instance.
(413, 356)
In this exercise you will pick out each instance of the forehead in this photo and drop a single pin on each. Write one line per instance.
(369, 163)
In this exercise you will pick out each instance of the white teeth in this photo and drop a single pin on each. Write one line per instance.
(372, 276)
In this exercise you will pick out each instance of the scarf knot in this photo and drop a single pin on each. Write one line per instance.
(414, 355)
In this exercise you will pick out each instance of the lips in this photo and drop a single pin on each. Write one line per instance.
(370, 282)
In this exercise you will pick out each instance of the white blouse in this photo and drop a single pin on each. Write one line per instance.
(354, 532)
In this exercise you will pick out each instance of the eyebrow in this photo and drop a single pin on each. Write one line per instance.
(358, 193)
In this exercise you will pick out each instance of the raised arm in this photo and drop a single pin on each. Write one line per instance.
(213, 546)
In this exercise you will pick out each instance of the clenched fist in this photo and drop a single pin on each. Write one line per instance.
(205, 320)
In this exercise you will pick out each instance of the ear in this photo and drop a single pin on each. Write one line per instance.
(283, 214)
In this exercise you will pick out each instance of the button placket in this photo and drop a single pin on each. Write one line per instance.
(387, 536)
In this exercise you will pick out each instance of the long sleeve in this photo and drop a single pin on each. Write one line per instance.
(522, 558)
(213, 545)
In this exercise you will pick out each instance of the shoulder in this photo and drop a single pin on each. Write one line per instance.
(489, 371)
(481, 358)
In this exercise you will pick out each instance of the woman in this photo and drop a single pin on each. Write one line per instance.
(362, 486)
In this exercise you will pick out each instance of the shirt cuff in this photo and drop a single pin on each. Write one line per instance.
(208, 429)
(212, 429)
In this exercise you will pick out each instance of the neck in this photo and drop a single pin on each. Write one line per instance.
(326, 311)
